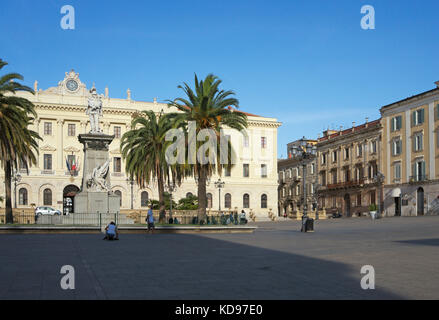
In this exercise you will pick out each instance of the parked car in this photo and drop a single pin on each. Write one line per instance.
(46, 211)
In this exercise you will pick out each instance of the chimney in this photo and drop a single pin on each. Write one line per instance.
(367, 120)
(353, 126)
(437, 84)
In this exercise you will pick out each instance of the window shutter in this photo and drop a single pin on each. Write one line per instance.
(399, 119)
(414, 170)
(393, 124)
(423, 169)
(422, 116)
(413, 118)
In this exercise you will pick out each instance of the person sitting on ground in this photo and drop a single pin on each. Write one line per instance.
(111, 232)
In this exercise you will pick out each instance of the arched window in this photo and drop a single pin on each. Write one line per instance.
(264, 201)
(144, 197)
(47, 197)
(228, 201)
(209, 201)
(189, 194)
(117, 192)
(22, 197)
(246, 201)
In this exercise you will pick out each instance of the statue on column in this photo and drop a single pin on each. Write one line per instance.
(94, 110)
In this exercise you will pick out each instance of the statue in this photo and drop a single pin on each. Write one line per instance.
(98, 179)
(94, 110)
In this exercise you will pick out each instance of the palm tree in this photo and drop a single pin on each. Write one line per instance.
(210, 108)
(144, 151)
(18, 144)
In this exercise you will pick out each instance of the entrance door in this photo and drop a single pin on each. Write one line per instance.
(420, 201)
(347, 205)
(68, 195)
(397, 206)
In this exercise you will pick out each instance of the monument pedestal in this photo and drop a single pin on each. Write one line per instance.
(96, 195)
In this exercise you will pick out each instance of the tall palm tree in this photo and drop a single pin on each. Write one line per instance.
(144, 151)
(210, 108)
(18, 144)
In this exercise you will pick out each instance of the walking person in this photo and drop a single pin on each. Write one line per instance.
(150, 220)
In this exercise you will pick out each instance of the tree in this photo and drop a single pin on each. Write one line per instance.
(188, 203)
(210, 108)
(18, 144)
(144, 151)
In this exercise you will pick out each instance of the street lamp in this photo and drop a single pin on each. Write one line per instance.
(171, 188)
(219, 184)
(16, 178)
(131, 182)
(304, 152)
(379, 178)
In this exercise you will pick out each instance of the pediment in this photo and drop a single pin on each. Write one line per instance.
(71, 149)
(48, 148)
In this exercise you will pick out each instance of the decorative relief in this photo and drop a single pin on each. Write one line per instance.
(48, 148)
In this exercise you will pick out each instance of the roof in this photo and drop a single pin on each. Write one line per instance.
(356, 129)
(410, 98)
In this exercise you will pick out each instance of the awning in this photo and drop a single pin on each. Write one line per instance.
(396, 193)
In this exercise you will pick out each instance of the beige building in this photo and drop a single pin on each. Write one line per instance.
(411, 154)
(251, 184)
(348, 162)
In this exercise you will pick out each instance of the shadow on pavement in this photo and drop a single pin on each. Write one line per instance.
(169, 266)
(423, 242)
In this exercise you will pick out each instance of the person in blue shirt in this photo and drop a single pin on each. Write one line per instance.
(111, 232)
(150, 220)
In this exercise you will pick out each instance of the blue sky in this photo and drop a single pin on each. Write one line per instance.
(307, 63)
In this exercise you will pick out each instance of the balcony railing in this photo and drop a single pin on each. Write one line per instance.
(351, 183)
(418, 178)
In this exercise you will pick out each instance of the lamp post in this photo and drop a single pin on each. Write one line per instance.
(219, 184)
(16, 178)
(304, 152)
(171, 188)
(379, 178)
(131, 182)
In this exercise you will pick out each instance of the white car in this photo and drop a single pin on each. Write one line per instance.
(46, 211)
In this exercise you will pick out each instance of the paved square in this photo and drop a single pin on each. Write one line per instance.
(276, 262)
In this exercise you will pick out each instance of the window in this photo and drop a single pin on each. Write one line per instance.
(117, 132)
(419, 170)
(144, 198)
(209, 200)
(323, 158)
(359, 200)
(334, 156)
(263, 170)
(359, 150)
(117, 165)
(263, 142)
(71, 130)
(313, 166)
(22, 197)
(246, 201)
(264, 201)
(396, 147)
(228, 201)
(47, 162)
(397, 171)
(372, 197)
(47, 197)
(418, 142)
(246, 141)
(227, 171)
(396, 123)
(47, 128)
(346, 153)
(417, 117)
(246, 170)
(347, 174)
(323, 178)
(334, 176)
(373, 146)
(189, 195)
(119, 193)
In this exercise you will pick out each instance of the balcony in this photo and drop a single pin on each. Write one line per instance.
(346, 184)
(418, 178)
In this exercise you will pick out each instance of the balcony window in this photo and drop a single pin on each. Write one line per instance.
(71, 130)
(47, 128)
(396, 123)
(397, 171)
(396, 147)
(418, 142)
(417, 117)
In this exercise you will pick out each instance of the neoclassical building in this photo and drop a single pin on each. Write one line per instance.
(54, 181)
(348, 165)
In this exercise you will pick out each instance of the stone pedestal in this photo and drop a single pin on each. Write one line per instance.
(94, 198)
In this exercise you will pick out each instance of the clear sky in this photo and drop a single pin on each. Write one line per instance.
(307, 63)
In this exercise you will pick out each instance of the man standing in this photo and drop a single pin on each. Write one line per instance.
(150, 220)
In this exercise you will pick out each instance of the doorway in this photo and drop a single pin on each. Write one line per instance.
(69, 194)
(397, 206)
(420, 201)
(347, 205)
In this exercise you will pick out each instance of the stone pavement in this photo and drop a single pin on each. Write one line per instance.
(275, 262)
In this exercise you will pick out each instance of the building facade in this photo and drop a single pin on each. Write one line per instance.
(348, 162)
(251, 184)
(411, 154)
(291, 172)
